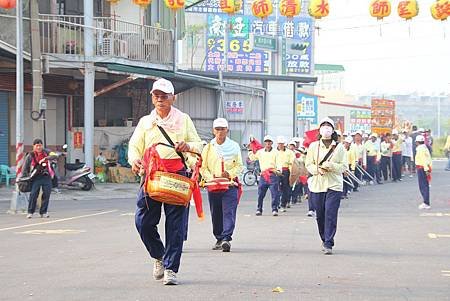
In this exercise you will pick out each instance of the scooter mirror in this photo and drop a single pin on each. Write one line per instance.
(64, 146)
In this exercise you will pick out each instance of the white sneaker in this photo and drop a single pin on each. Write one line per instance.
(45, 215)
(29, 215)
(410, 176)
(158, 269)
(170, 278)
(310, 213)
(424, 206)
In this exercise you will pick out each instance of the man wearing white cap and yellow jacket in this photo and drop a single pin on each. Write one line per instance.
(270, 170)
(423, 165)
(222, 159)
(326, 161)
(285, 157)
(373, 156)
(396, 156)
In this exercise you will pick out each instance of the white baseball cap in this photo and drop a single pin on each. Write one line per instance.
(421, 130)
(281, 139)
(346, 133)
(359, 132)
(328, 120)
(163, 85)
(292, 142)
(394, 132)
(420, 138)
(220, 123)
(268, 138)
(348, 139)
(338, 132)
(373, 135)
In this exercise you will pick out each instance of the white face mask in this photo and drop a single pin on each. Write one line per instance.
(326, 131)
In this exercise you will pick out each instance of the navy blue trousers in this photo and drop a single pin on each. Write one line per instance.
(46, 183)
(262, 190)
(296, 192)
(147, 220)
(327, 205)
(223, 206)
(396, 166)
(424, 186)
(285, 189)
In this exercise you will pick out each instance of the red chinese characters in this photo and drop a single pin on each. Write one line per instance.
(380, 8)
(290, 8)
(408, 9)
(318, 8)
(262, 8)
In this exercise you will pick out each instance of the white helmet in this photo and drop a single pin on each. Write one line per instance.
(420, 138)
(268, 138)
(328, 120)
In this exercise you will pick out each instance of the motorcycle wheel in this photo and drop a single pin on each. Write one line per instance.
(249, 178)
(86, 183)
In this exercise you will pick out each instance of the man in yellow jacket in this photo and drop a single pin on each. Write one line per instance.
(270, 170)
(286, 158)
(423, 166)
(163, 123)
(222, 159)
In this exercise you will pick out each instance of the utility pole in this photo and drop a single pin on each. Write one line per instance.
(18, 199)
(89, 81)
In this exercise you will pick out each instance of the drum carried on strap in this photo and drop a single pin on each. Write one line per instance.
(218, 185)
(168, 187)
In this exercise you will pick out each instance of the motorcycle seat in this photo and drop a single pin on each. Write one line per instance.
(74, 166)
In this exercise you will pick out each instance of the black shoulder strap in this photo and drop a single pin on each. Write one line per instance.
(330, 152)
(173, 144)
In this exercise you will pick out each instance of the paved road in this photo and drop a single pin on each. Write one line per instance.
(386, 249)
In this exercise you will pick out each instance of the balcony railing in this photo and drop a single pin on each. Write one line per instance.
(62, 34)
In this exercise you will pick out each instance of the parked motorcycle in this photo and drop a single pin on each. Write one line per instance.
(77, 174)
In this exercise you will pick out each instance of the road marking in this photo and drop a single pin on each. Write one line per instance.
(128, 214)
(58, 220)
(445, 273)
(60, 231)
(439, 214)
(434, 235)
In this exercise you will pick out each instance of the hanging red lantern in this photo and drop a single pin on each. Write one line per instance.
(380, 8)
(7, 4)
(230, 6)
(262, 8)
(440, 10)
(318, 8)
(408, 9)
(290, 8)
(174, 4)
(142, 3)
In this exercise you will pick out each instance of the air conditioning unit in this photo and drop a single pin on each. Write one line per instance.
(107, 47)
(114, 47)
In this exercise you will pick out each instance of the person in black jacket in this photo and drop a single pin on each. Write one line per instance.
(37, 160)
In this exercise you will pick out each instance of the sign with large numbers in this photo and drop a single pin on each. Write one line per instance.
(383, 115)
(242, 57)
(307, 107)
(360, 120)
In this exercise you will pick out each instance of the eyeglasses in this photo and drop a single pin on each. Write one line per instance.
(162, 96)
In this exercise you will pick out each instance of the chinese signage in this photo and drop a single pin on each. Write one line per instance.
(383, 115)
(360, 120)
(307, 107)
(243, 57)
(234, 107)
(78, 140)
(265, 43)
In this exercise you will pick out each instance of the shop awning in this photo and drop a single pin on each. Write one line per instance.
(181, 81)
